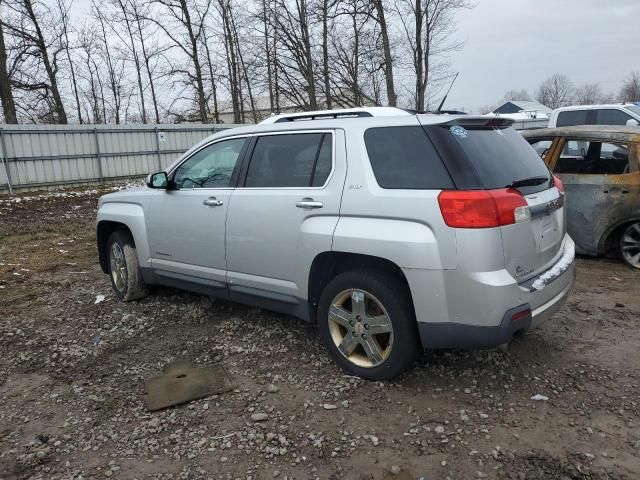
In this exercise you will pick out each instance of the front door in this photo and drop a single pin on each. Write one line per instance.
(186, 224)
(283, 214)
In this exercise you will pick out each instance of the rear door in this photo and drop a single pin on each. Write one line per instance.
(283, 214)
(499, 156)
(601, 181)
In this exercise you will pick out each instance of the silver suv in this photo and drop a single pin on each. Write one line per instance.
(392, 231)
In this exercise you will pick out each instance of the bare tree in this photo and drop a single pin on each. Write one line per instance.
(190, 17)
(630, 91)
(588, 94)
(429, 26)
(63, 9)
(556, 91)
(296, 63)
(514, 94)
(24, 20)
(6, 95)
(380, 17)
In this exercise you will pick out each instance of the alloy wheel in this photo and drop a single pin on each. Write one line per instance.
(118, 266)
(360, 328)
(630, 245)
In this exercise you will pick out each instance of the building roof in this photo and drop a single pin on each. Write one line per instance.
(527, 105)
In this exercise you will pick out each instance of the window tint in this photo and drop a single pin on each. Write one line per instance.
(593, 158)
(500, 156)
(572, 117)
(403, 157)
(290, 160)
(211, 167)
(612, 117)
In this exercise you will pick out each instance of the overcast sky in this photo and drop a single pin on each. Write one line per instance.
(515, 44)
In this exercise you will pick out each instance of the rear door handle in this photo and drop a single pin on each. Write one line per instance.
(309, 203)
(212, 202)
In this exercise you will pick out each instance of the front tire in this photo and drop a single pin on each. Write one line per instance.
(630, 245)
(367, 325)
(124, 270)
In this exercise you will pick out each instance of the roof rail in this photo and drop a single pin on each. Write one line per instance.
(338, 113)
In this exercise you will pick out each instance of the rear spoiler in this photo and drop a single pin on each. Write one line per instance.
(480, 122)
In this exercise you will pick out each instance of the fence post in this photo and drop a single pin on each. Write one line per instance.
(5, 155)
(95, 134)
(155, 129)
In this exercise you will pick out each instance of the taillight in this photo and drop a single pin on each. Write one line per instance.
(558, 184)
(483, 208)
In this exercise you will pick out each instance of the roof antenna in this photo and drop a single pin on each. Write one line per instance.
(439, 110)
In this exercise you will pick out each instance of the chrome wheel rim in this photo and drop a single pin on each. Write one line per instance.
(118, 266)
(360, 328)
(630, 245)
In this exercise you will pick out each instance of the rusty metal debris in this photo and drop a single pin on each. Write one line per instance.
(181, 383)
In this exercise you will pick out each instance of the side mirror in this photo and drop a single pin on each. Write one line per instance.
(158, 180)
(632, 122)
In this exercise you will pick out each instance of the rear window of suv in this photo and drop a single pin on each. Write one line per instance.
(405, 158)
(497, 155)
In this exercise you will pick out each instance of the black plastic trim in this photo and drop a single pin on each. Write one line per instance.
(461, 336)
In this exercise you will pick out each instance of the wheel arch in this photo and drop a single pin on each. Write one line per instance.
(104, 230)
(327, 265)
(611, 237)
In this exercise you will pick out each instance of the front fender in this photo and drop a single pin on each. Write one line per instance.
(132, 216)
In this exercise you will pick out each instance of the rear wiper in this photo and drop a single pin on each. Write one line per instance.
(528, 182)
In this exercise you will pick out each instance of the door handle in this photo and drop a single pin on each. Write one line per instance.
(309, 203)
(212, 202)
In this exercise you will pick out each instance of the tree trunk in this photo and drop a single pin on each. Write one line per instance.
(325, 52)
(202, 102)
(304, 27)
(267, 53)
(148, 69)
(136, 61)
(6, 96)
(386, 47)
(418, 57)
(61, 115)
(214, 90)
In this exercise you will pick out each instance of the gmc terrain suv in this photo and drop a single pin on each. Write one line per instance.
(392, 231)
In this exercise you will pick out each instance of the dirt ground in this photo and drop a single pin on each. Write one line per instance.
(72, 375)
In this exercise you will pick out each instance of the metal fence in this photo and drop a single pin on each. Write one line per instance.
(45, 156)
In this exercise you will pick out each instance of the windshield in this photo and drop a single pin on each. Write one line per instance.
(501, 156)
(633, 109)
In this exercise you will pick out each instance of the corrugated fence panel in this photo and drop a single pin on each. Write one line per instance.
(53, 155)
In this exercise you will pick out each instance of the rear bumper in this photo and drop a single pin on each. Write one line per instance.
(479, 309)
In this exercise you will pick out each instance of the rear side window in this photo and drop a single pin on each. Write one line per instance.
(612, 117)
(404, 158)
(290, 160)
(499, 156)
(572, 117)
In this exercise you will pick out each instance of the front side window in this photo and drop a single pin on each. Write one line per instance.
(612, 117)
(290, 160)
(211, 167)
(593, 158)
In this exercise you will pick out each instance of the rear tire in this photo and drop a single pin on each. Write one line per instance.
(630, 245)
(124, 270)
(367, 325)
